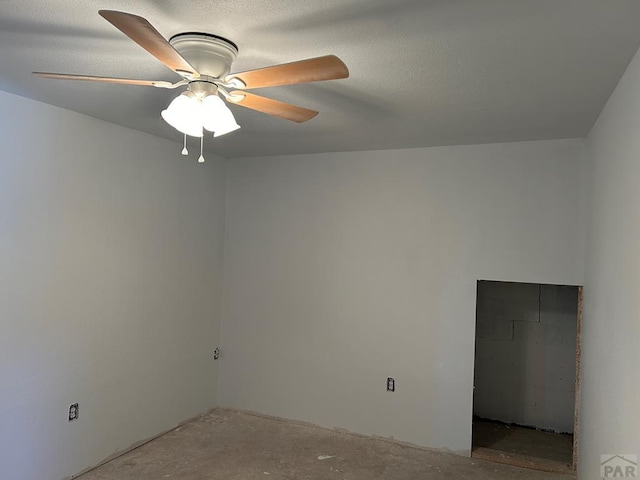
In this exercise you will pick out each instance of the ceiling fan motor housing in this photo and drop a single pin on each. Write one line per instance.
(210, 55)
(202, 88)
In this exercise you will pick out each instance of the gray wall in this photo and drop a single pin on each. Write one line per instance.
(343, 269)
(110, 275)
(525, 360)
(611, 332)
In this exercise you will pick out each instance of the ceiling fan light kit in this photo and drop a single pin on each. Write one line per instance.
(192, 114)
(204, 63)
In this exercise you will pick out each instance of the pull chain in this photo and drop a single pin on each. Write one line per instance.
(201, 158)
(184, 148)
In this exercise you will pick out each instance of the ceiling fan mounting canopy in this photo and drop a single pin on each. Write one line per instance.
(209, 54)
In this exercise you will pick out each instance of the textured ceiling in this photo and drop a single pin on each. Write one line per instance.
(423, 72)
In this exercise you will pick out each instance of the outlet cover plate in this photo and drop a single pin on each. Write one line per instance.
(391, 385)
(73, 412)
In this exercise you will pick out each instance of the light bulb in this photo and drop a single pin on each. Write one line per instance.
(200, 159)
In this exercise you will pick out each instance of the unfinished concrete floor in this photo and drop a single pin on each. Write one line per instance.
(516, 445)
(230, 445)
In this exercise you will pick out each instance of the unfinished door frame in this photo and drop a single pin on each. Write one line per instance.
(576, 400)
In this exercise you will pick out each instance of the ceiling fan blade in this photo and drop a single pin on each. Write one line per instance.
(91, 78)
(316, 69)
(272, 107)
(144, 34)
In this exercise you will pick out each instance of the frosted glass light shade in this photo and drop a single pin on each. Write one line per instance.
(216, 116)
(184, 113)
(227, 127)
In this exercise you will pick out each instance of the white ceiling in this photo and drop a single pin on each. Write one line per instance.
(423, 72)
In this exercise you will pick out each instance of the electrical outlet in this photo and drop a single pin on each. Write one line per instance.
(216, 354)
(391, 385)
(73, 412)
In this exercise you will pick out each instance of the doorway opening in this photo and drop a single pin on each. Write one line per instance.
(526, 374)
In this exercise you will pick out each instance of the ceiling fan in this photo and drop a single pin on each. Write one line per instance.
(204, 62)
